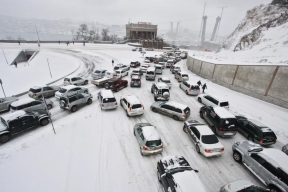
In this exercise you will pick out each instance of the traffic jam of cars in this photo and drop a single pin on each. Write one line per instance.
(174, 172)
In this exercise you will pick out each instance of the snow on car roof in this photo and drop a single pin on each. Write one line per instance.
(204, 130)
(258, 123)
(22, 102)
(133, 99)
(13, 115)
(150, 133)
(162, 85)
(171, 162)
(178, 105)
(183, 180)
(69, 87)
(37, 87)
(223, 113)
(165, 78)
(276, 156)
(107, 94)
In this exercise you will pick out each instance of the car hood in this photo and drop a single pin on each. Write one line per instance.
(188, 180)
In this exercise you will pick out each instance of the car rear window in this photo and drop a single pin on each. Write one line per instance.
(153, 143)
(109, 100)
(62, 90)
(165, 90)
(184, 75)
(224, 104)
(166, 81)
(150, 72)
(136, 106)
(187, 110)
(115, 68)
(35, 90)
(118, 72)
(195, 87)
(269, 134)
(97, 71)
(209, 139)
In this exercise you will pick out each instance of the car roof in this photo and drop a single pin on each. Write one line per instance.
(204, 130)
(135, 77)
(162, 85)
(71, 77)
(150, 133)
(178, 105)
(119, 70)
(170, 162)
(171, 60)
(237, 185)
(276, 157)
(165, 78)
(68, 87)
(258, 123)
(222, 112)
(158, 65)
(13, 115)
(107, 93)
(220, 101)
(146, 65)
(183, 180)
(37, 87)
(22, 101)
(151, 69)
(100, 70)
(133, 99)
(113, 79)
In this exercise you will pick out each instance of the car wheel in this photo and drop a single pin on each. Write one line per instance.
(201, 115)
(197, 149)
(237, 157)
(186, 92)
(89, 101)
(121, 104)
(154, 110)
(159, 176)
(44, 122)
(85, 82)
(199, 100)
(86, 91)
(250, 139)
(106, 85)
(274, 189)
(214, 130)
(185, 129)
(74, 108)
(176, 118)
(49, 107)
(127, 114)
(155, 98)
(117, 89)
(134, 133)
(4, 138)
(141, 152)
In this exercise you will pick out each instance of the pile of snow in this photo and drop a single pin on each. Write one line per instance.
(269, 47)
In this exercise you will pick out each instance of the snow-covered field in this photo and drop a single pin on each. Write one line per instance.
(96, 150)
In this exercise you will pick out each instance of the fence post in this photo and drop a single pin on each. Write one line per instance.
(272, 79)
(213, 70)
(201, 67)
(235, 74)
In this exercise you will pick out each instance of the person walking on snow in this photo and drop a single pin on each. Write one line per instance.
(199, 83)
(204, 87)
(112, 62)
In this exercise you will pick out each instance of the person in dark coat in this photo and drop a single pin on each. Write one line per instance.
(84, 43)
(73, 42)
(19, 42)
(15, 64)
(204, 87)
(199, 83)
(112, 62)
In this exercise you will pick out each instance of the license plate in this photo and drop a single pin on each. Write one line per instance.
(228, 133)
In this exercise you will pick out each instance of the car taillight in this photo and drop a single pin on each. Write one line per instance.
(139, 82)
(144, 148)
(207, 151)
(222, 150)
(162, 145)
(190, 89)
(184, 116)
(130, 108)
(261, 141)
(221, 129)
(143, 107)
(116, 103)
(34, 94)
(102, 105)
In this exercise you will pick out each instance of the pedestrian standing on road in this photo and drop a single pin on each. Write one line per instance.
(19, 42)
(204, 87)
(84, 43)
(67, 43)
(73, 42)
(199, 83)
(112, 62)
(15, 64)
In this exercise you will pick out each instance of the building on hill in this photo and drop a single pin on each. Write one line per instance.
(141, 30)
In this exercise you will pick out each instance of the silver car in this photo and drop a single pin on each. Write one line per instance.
(242, 186)
(285, 149)
(268, 165)
(72, 101)
(5, 103)
(75, 81)
(172, 109)
(30, 104)
(69, 89)
(148, 138)
(46, 91)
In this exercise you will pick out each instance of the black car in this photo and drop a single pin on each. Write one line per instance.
(256, 131)
(19, 121)
(135, 81)
(135, 64)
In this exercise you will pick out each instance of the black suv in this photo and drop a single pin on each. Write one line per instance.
(256, 131)
(221, 121)
(19, 121)
(135, 64)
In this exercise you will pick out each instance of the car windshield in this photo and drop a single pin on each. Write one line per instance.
(135, 71)
(35, 90)
(62, 90)
(118, 72)
(224, 104)
(150, 72)
(254, 188)
(66, 79)
(109, 100)
(195, 87)
(166, 81)
(179, 169)
(136, 106)
(97, 71)
(184, 75)
(3, 121)
(153, 143)
(209, 139)
(269, 134)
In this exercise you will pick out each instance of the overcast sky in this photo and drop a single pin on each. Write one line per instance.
(118, 12)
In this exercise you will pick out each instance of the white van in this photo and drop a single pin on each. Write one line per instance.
(107, 100)
(158, 69)
(151, 73)
(169, 63)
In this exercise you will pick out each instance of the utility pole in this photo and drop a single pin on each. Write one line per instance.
(219, 22)
(37, 34)
(2, 87)
(201, 24)
(49, 68)
(5, 57)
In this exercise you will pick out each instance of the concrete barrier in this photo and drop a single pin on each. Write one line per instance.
(265, 82)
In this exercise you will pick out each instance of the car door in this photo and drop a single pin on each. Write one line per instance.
(207, 100)
(77, 90)
(138, 132)
(170, 111)
(46, 91)
(207, 113)
(192, 133)
(242, 123)
(15, 126)
(3, 104)
(163, 109)
(254, 161)
(38, 105)
(80, 99)
(27, 121)
(125, 104)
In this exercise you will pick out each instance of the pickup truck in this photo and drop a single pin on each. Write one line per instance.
(101, 81)
(115, 84)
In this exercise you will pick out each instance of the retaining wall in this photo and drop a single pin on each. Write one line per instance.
(265, 82)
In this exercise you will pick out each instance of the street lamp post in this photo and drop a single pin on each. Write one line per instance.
(2, 87)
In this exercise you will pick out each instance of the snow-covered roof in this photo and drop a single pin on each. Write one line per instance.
(36, 87)
(165, 78)
(178, 105)
(13, 115)
(204, 130)
(276, 156)
(133, 99)
(162, 85)
(223, 113)
(68, 87)
(150, 133)
(258, 123)
(191, 83)
(238, 185)
(158, 65)
(188, 181)
(107, 94)
(22, 102)
(151, 69)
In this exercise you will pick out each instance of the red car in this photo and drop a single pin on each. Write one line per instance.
(115, 84)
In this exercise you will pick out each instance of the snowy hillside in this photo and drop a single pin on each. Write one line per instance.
(261, 37)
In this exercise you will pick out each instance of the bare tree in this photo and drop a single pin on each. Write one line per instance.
(83, 32)
(104, 33)
(9, 37)
(113, 38)
(20, 38)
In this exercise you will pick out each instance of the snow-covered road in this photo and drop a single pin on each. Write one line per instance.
(96, 150)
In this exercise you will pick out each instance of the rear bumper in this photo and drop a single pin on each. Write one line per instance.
(110, 107)
(152, 152)
(212, 154)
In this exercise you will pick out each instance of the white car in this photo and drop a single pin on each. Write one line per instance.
(132, 105)
(144, 68)
(75, 81)
(208, 100)
(146, 61)
(204, 139)
(190, 88)
(121, 73)
(68, 89)
(165, 80)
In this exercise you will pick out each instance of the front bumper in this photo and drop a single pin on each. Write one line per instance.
(226, 133)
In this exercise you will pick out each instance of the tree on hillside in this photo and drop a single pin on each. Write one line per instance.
(83, 32)
(104, 33)
(113, 38)
(279, 2)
